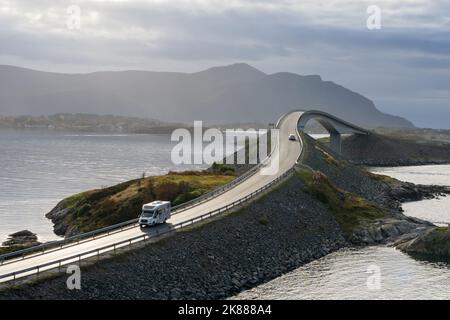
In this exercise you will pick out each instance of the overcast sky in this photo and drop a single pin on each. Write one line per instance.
(404, 66)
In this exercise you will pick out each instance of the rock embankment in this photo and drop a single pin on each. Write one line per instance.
(325, 206)
(382, 150)
(406, 192)
(390, 230)
(434, 242)
(383, 191)
(277, 233)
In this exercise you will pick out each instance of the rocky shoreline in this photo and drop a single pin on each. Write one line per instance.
(379, 150)
(280, 231)
(434, 243)
(19, 240)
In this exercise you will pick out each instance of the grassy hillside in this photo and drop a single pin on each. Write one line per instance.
(99, 208)
(350, 210)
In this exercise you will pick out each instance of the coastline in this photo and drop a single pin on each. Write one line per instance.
(266, 215)
(404, 276)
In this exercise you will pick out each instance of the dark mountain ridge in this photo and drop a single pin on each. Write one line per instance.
(231, 93)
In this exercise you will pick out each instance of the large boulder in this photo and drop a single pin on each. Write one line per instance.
(434, 242)
(23, 238)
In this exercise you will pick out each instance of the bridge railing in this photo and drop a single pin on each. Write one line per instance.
(35, 270)
(231, 184)
(311, 114)
(95, 234)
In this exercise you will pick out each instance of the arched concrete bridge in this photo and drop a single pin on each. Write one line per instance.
(286, 154)
(335, 126)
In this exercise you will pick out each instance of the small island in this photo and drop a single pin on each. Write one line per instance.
(82, 122)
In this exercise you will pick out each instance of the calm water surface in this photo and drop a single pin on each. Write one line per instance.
(434, 210)
(39, 168)
(344, 274)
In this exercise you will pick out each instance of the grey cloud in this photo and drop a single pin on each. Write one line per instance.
(396, 61)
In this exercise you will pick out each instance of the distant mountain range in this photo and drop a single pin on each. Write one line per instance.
(234, 93)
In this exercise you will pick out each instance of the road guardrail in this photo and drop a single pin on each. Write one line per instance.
(36, 270)
(95, 234)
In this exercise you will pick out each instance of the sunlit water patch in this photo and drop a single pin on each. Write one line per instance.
(344, 275)
(39, 168)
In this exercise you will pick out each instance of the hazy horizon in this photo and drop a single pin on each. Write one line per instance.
(404, 66)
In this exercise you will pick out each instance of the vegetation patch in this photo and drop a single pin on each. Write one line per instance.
(72, 201)
(221, 168)
(9, 249)
(380, 177)
(330, 159)
(440, 235)
(263, 220)
(104, 207)
(351, 211)
(324, 140)
(433, 245)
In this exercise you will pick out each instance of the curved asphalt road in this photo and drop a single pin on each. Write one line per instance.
(289, 151)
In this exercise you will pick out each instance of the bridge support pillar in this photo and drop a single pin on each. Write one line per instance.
(335, 141)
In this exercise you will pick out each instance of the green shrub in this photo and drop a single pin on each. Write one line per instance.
(222, 168)
(185, 197)
(74, 200)
(83, 210)
(264, 220)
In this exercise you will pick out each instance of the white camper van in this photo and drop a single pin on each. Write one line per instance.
(154, 213)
